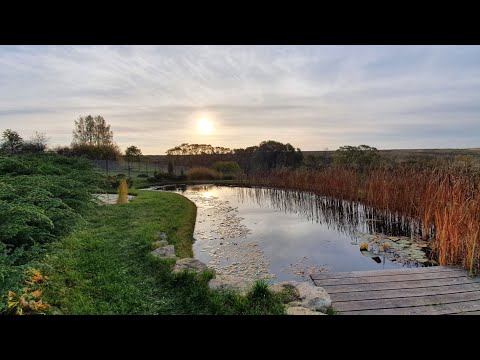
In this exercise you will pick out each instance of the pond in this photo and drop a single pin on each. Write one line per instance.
(279, 235)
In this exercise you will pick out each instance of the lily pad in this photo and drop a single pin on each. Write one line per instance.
(368, 254)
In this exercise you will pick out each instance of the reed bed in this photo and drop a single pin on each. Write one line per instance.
(444, 199)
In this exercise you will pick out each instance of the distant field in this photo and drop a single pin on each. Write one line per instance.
(162, 159)
(411, 153)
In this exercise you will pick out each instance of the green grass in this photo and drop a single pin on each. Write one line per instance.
(331, 311)
(104, 267)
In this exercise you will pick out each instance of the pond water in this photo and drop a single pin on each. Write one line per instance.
(279, 235)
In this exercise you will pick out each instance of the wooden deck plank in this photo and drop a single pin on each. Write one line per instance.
(332, 289)
(423, 291)
(337, 275)
(392, 278)
(470, 313)
(442, 309)
(401, 293)
(343, 306)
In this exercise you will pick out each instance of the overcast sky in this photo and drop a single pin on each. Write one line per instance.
(311, 96)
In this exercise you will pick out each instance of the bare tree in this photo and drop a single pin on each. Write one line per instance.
(92, 131)
(38, 142)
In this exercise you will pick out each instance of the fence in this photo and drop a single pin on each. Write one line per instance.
(113, 167)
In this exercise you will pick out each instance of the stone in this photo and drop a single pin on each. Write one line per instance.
(299, 310)
(287, 291)
(310, 296)
(230, 282)
(162, 236)
(165, 252)
(109, 199)
(314, 297)
(159, 244)
(189, 264)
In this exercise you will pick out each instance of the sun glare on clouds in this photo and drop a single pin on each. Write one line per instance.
(205, 126)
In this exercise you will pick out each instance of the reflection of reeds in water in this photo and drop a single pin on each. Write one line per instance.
(444, 200)
(344, 216)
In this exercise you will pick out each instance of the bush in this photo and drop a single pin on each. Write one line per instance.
(229, 169)
(113, 182)
(164, 176)
(203, 173)
(142, 175)
(42, 196)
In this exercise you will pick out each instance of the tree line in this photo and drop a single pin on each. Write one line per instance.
(92, 138)
(13, 143)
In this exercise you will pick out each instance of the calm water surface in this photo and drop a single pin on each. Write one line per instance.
(282, 235)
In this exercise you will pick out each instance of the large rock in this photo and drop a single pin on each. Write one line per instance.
(314, 297)
(310, 296)
(286, 290)
(165, 252)
(299, 310)
(189, 264)
(230, 282)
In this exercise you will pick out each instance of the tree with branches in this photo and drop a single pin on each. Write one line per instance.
(12, 141)
(131, 153)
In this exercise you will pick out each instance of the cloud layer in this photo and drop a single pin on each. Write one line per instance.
(311, 96)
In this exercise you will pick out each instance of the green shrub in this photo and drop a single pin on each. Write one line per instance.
(164, 176)
(203, 173)
(142, 175)
(229, 169)
(42, 196)
(113, 182)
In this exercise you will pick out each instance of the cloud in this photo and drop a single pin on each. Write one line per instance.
(310, 96)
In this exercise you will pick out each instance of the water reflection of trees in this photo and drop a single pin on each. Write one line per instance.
(344, 216)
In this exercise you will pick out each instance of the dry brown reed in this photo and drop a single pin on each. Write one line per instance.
(444, 198)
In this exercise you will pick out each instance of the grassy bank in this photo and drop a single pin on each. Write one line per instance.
(104, 267)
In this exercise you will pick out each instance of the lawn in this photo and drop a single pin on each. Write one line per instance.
(104, 267)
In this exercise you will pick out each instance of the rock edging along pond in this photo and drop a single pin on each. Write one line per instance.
(283, 235)
(301, 298)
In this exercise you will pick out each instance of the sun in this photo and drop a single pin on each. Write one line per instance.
(205, 126)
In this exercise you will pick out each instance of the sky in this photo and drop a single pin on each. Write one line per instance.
(314, 97)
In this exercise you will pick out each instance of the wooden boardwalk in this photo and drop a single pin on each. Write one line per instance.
(436, 290)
